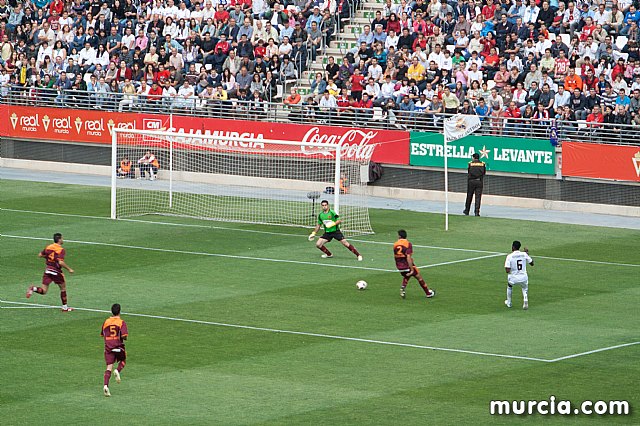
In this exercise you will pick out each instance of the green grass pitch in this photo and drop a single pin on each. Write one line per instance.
(203, 373)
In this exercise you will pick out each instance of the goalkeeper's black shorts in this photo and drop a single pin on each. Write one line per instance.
(331, 235)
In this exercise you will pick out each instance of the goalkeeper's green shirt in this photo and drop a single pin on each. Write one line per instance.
(330, 216)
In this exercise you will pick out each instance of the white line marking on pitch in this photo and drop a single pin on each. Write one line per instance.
(594, 351)
(328, 336)
(596, 262)
(299, 333)
(462, 260)
(199, 253)
(28, 307)
(191, 225)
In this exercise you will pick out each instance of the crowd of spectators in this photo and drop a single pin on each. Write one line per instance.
(507, 61)
(166, 54)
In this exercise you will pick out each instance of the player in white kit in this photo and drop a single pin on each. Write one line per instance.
(516, 267)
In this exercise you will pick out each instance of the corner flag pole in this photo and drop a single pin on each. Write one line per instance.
(446, 182)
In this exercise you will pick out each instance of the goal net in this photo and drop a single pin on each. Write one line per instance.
(258, 181)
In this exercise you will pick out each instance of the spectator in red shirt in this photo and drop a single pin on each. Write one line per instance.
(124, 72)
(364, 113)
(260, 50)
(356, 84)
(595, 118)
(489, 10)
(512, 115)
(223, 44)
(154, 97)
(57, 6)
(221, 15)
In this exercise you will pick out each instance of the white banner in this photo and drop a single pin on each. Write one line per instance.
(459, 126)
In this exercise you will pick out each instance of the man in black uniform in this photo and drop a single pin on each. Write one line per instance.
(476, 172)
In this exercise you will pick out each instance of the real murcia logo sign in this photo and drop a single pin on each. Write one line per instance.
(78, 124)
(636, 163)
(46, 120)
(14, 120)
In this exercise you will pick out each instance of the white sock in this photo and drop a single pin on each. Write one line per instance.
(509, 292)
(64, 306)
(525, 295)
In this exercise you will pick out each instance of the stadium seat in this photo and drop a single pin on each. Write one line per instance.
(621, 41)
(377, 114)
(566, 39)
(491, 84)
(451, 48)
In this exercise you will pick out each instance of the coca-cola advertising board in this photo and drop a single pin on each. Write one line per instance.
(383, 146)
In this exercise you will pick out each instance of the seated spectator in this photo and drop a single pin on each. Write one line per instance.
(293, 98)
(148, 164)
(125, 170)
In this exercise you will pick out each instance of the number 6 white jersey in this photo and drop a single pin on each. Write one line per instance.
(517, 261)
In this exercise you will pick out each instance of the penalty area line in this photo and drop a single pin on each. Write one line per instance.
(293, 332)
(595, 351)
(453, 262)
(226, 228)
(255, 231)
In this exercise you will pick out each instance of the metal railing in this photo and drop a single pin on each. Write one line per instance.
(375, 118)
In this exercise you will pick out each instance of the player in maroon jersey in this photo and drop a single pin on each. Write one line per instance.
(402, 252)
(114, 332)
(54, 258)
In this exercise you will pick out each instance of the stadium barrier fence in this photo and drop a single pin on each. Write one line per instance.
(376, 118)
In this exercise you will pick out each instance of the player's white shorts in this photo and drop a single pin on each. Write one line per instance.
(523, 284)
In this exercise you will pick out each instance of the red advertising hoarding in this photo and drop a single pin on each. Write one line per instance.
(61, 124)
(591, 160)
(391, 146)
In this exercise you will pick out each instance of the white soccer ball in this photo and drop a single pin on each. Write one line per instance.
(361, 285)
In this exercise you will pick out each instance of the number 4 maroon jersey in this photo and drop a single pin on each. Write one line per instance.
(53, 254)
(401, 249)
(114, 331)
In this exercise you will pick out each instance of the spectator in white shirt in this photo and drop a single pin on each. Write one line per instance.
(328, 106)
(386, 92)
(374, 70)
(436, 56)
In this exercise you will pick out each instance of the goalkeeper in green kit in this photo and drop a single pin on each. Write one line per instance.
(331, 222)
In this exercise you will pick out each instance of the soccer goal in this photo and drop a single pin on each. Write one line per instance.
(260, 181)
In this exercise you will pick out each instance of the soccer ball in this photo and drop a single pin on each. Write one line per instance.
(361, 285)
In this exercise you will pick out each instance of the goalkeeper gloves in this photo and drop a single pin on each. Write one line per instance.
(312, 236)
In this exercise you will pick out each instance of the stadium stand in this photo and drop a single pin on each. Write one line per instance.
(520, 66)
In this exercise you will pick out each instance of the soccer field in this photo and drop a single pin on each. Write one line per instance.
(241, 324)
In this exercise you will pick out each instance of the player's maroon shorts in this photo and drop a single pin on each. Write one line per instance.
(48, 278)
(410, 273)
(111, 357)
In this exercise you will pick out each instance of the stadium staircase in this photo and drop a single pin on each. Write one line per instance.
(343, 41)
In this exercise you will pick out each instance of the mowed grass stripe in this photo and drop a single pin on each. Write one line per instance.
(224, 228)
(301, 333)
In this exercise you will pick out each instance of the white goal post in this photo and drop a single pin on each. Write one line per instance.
(247, 180)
